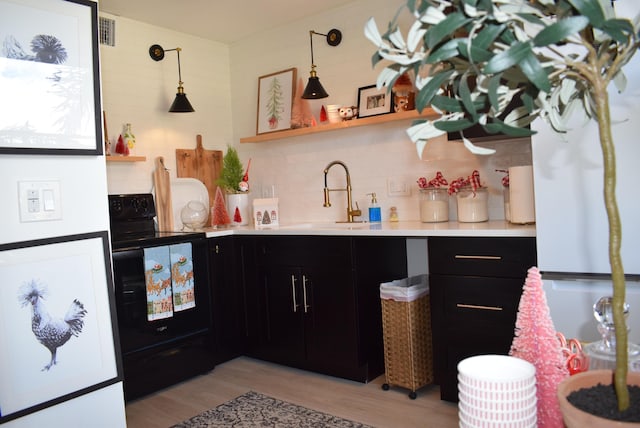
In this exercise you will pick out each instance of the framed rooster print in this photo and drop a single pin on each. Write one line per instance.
(50, 78)
(58, 337)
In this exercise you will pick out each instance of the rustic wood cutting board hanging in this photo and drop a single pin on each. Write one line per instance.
(204, 165)
(162, 186)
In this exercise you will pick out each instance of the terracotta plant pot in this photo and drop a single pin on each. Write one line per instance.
(574, 417)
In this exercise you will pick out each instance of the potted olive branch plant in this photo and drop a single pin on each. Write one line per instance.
(470, 59)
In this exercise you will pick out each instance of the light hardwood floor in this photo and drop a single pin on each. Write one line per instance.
(365, 403)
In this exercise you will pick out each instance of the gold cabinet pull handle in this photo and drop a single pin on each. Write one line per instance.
(293, 293)
(304, 293)
(481, 307)
(462, 256)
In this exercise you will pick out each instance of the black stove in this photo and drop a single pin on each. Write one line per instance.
(157, 352)
(132, 221)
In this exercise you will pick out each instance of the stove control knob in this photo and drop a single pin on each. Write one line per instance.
(116, 206)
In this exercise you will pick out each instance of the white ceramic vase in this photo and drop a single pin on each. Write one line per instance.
(238, 207)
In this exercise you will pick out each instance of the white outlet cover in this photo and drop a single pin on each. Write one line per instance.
(397, 186)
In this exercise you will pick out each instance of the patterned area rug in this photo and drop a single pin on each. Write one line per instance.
(256, 410)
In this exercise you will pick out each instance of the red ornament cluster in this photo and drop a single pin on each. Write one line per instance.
(437, 181)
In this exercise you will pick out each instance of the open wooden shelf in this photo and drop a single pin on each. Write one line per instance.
(427, 113)
(117, 158)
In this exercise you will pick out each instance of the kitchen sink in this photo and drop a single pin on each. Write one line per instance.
(328, 226)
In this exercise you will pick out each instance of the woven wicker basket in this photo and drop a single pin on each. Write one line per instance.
(408, 353)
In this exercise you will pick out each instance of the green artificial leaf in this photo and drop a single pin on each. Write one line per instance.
(424, 96)
(453, 125)
(560, 30)
(498, 126)
(534, 19)
(532, 68)
(528, 102)
(446, 28)
(506, 59)
(375, 59)
(477, 54)
(507, 37)
(618, 29)
(591, 9)
(447, 104)
(444, 52)
(476, 150)
(467, 101)
(494, 84)
(487, 35)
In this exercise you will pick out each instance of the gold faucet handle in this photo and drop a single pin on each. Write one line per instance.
(356, 212)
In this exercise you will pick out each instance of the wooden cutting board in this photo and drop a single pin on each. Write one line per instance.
(162, 186)
(204, 165)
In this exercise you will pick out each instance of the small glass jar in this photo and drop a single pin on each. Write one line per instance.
(472, 206)
(434, 205)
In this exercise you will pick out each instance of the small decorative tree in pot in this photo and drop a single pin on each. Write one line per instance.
(471, 59)
(235, 182)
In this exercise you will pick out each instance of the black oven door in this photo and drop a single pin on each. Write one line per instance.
(137, 332)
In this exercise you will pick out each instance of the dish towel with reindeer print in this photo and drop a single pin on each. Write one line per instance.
(169, 280)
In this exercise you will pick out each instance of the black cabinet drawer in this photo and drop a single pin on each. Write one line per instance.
(304, 251)
(497, 257)
(476, 302)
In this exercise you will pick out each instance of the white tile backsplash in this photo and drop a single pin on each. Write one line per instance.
(294, 167)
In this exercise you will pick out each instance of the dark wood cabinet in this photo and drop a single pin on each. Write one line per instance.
(309, 307)
(475, 287)
(227, 295)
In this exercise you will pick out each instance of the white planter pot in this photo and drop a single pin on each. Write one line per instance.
(238, 207)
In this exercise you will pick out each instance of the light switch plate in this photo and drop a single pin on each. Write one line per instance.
(39, 200)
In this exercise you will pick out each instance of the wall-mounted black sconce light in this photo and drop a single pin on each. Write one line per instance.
(181, 104)
(314, 89)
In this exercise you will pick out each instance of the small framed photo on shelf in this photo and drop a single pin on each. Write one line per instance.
(275, 100)
(373, 101)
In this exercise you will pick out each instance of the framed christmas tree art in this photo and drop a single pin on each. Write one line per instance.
(275, 98)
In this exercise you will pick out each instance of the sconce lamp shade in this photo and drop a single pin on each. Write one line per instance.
(314, 89)
(181, 104)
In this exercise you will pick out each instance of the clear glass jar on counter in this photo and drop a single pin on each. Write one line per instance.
(434, 205)
(473, 205)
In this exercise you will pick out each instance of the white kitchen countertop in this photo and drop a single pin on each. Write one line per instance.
(494, 228)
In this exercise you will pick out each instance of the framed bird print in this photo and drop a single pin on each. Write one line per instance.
(58, 335)
(50, 78)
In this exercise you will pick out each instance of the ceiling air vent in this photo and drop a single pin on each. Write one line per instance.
(107, 31)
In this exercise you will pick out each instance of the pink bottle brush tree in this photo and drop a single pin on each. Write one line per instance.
(536, 341)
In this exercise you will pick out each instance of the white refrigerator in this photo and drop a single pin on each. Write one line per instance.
(571, 222)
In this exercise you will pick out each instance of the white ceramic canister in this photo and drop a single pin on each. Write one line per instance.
(238, 207)
(472, 205)
(434, 205)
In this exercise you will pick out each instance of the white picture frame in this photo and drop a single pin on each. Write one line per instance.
(69, 280)
(51, 76)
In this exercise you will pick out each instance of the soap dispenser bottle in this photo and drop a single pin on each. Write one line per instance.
(374, 210)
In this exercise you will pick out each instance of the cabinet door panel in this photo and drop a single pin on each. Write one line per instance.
(228, 300)
(330, 321)
(283, 339)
